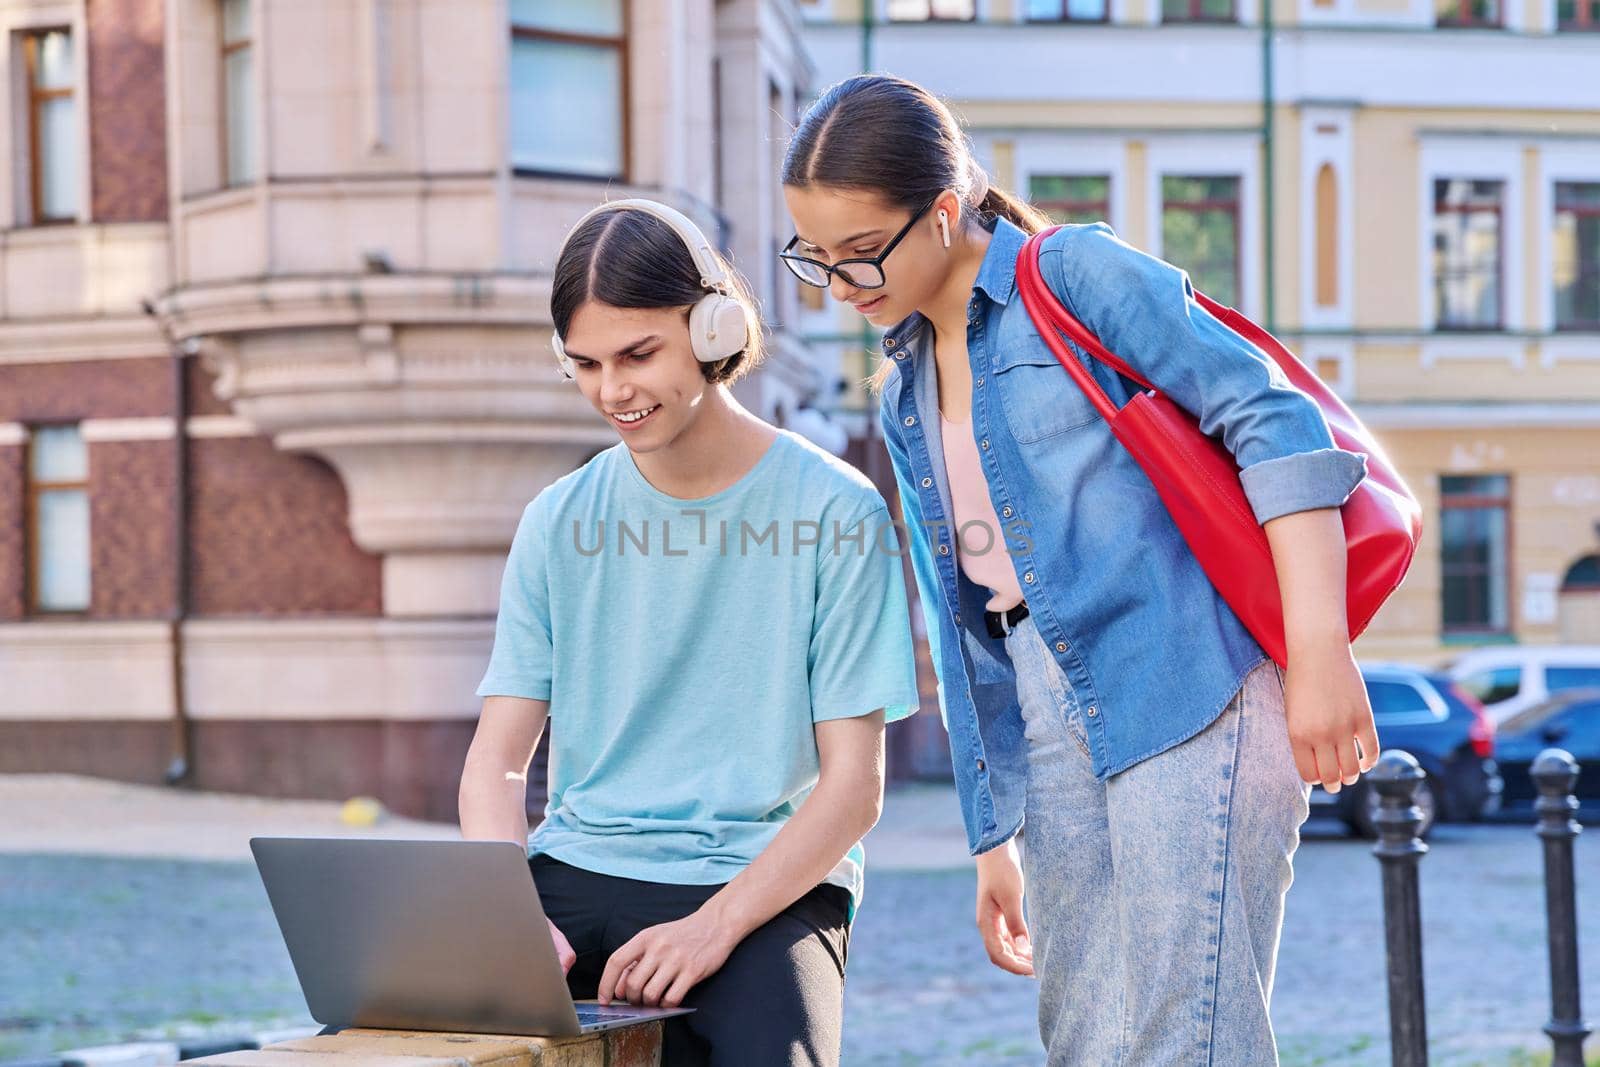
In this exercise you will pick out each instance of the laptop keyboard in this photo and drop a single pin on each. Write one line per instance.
(599, 1013)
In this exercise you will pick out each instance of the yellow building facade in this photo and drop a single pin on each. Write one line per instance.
(1408, 193)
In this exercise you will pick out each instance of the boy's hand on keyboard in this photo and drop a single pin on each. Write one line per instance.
(563, 949)
(659, 966)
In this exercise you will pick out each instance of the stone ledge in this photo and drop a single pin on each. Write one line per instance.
(630, 1046)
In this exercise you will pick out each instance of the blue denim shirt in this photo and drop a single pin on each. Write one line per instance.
(1152, 652)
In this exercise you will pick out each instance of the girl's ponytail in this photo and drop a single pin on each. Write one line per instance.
(1021, 214)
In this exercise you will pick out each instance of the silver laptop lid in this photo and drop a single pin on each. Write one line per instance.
(422, 935)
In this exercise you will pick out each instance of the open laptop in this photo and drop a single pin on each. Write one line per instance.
(424, 935)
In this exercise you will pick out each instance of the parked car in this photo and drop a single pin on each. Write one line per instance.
(1568, 720)
(1511, 678)
(1448, 732)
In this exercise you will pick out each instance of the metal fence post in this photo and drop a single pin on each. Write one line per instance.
(1556, 774)
(1399, 850)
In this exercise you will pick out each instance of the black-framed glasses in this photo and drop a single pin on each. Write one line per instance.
(865, 273)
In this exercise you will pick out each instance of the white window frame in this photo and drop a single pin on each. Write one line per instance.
(1560, 162)
(1076, 154)
(1245, 12)
(1116, 11)
(982, 12)
(1212, 154)
(36, 550)
(627, 161)
(257, 88)
(1482, 159)
(15, 188)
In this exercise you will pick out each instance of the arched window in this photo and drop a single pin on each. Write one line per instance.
(1583, 576)
(1327, 237)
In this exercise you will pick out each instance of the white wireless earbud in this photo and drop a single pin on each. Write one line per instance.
(944, 227)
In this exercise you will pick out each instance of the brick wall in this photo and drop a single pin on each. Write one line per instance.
(121, 750)
(269, 535)
(131, 526)
(269, 530)
(203, 398)
(127, 110)
(414, 767)
(82, 389)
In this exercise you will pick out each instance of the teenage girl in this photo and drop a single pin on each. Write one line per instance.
(1095, 686)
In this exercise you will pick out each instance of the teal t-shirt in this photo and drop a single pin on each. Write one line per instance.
(687, 648)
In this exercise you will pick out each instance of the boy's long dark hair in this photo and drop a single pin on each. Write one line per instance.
(630, 259)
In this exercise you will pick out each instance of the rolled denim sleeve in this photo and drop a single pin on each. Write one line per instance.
(1144, 311)
(1304, 481)
(929, 595)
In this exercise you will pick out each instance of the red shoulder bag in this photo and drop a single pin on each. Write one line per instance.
(1197, 478)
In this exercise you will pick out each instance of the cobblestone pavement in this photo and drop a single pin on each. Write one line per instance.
(921, 991)
(100, 948)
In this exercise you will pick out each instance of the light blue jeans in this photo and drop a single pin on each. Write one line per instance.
(1154, 899)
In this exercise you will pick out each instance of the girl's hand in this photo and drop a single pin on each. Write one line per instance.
(1323, 694)
(1005, 933)
(1329, 714)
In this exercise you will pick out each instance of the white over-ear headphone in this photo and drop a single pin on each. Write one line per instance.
(718, 325)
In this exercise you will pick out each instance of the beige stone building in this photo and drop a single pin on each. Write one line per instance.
(1407, 191)
(275, 379)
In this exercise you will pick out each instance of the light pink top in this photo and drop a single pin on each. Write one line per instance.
(980, 539)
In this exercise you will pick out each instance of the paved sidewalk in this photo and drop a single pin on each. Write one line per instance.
(114, 913)
(64, 813)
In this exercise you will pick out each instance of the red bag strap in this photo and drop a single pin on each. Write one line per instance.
(1051, 317)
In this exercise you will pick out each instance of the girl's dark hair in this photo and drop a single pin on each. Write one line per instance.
(893, 137)
(897, 139)
(630, 259)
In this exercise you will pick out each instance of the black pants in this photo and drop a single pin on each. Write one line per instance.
(779, 999)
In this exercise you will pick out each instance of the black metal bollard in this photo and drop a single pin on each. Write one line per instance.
(1399, 849)
(1556, 774)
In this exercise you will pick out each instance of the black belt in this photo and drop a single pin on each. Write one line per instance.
(1001, 623)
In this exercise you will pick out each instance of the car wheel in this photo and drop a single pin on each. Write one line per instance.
(1366, 809)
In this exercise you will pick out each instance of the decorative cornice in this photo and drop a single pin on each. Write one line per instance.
(356, 300)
